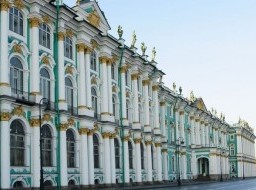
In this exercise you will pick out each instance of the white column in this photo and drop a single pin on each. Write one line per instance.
(203, 134)
(217, 137)
(113, 161)
(110, 102)
(106, 153)
(81, 79)
(4, 66)
(192, 130)
(84, 156)
(184, 163)
(61, 72)
(104, 77)
(126, 161)
(91, 158)
(207, 135)
(156, 106)
(88, 78)
(194, 164)
(5, 148)
(146, 112)
(135, 97)
(182, 134)
(165, 164)
(35, 151)
(34, 66)
(159, 161)
(149, 161)
(177, 116)
(162, 106)
(197, 132)
(137, 160)
(123, 70)
(63, 156)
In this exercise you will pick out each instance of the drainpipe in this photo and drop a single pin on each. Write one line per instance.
(120, 108)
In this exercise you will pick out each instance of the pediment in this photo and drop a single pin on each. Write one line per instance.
(199, 103)
(94, 15)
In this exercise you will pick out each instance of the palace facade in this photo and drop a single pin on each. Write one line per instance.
(100, 108)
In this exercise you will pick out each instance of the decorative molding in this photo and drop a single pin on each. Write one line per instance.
(148, 143)
(164, 150)
(46, 19)
(19, 4)
(71, 122)
(90, 132)
(17, 48)
(94, 19)
(35, 122)
(135, 76)
(18, 111)
(112, 136)
(5, 116)
(63, 126)
(5, 5)
(162, 103)
(83, 131)
(47, 117)
(80, 47)
(145, 82)
(34, 22)
(61, 36)
(158, 145)
(45, 60)
(181, 113)
(94, 44)
(155, 88)
(69, 70)
(69, 33)
(126, 138)
(106, 135)
(4, 84)
(137, 141)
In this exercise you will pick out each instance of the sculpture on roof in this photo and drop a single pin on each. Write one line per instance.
(134, 39)
(174, 87)
(120, 31)
(192, 97)
(143, 48)
(153, 54)
(78, 2)
(180, 90)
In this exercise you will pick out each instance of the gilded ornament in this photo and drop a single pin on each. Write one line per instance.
(137, 141)
(78, 2)
(4, 84)
(135, 76)
(162, 103)
(94, 80)
(181, 112)
(18, 111)
(5, 116)
(71, 122)
(94, 19)
(45, 60)
(46, 19)
(155, 88)
(114, 89)
(126, 138)
(112, 136)
(19, 4)
(63, 126)
(106, 135)
(34, 122)
(17, 48)
(5, 5)
(69, 70)
(148, 143)
(90, 132)
(103, 59)
(47, 117)
(145, 82)
(34, 22)
(83, 131)
(61, 36)
(164, 150)
(95, 127)
(94, 43)
(158, 145)
(123, 69)
(69, 33)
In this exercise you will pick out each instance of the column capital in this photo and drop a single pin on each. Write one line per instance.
(61, 36)
(196, 119)
(135, 76)
(83, 131)
(126, 138)
(5, 116)
(155, 88)
(63, 126)
(158, 144)
(104, 59)
(123, 69)
(148, 143)
(112, 136)
(162, 103)
(35, 21)
(90, 132)
(181, 112)
(106, 135)
(34, 122)
(80, 47)
(5, 5)
(192, 117)
(164, 150)
(137, 141)
(145, 82)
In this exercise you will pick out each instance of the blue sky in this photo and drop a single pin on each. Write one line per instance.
(208, 46)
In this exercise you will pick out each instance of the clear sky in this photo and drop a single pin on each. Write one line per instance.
(208, 46)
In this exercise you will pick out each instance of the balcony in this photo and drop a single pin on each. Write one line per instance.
(22, 96)
(72, 110)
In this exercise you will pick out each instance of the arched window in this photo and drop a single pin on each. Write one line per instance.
(128, 112)
(69, 94)
(96, 151)
(130, 155)
(16, 21)
(46, 145)
(232, 150)
(117, 153)
(16, 76)
(17, 185)
(70, 148)
(17, 144)
(47, 183)
(71, 182)
(44, 36)
(68, 48)
(94, 101)
(142, 155)
(45, 84)
(93, 65)
(113, 73)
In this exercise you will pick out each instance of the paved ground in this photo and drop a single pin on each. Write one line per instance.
(249, 184)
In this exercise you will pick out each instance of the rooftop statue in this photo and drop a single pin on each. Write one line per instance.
(174, 87)
(153, 54)
(143, 48)
(134, 39)
(192, 96)
(120, 31)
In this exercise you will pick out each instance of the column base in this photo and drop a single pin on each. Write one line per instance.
(5, 89)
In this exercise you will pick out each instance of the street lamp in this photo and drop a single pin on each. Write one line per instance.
(179, 142)
(42, 101)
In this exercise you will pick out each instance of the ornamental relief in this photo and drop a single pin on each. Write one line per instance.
(18, 111)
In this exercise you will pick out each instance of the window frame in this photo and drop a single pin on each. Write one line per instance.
(45, 30)
(71, 148)
(45, 84)
(16, 76)
(19, 19)
(68, 47)
(96, 151)
(47, 151)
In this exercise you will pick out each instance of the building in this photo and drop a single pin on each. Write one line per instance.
(109, 117)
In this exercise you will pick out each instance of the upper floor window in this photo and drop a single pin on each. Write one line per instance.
(142, 156)
(232, 150)
(17, 144)
(117, 153)
(68, 48)
(96, 151)
(126, 78)
(46, 145)
(70, 148)
(16, 76)
(69, 93)
(44, 36)
(45, 82)
(113, 73)
(93, 64)
(16, 21)
(94, 100)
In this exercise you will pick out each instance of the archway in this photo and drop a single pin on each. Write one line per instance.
(203, 167)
